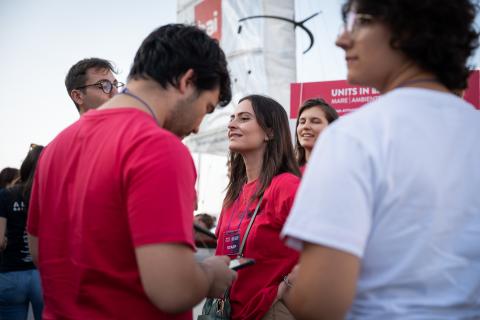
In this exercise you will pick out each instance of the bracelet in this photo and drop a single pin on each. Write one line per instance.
(287, 282)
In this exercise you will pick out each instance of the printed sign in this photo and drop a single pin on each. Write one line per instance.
(339, 94)
(208, 16)
(345, 98)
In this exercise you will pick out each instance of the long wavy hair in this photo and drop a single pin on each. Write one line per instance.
(278, 157)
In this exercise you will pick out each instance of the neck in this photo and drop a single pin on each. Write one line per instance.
(142, 93)
(412, 77)
(308, 152)
(253, 164)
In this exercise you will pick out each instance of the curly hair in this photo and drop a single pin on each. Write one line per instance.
(169, 51)
(438, 35)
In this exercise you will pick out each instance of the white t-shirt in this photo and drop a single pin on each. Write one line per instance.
(397, 184)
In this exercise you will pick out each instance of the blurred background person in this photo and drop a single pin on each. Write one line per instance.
(313, 117)
(19, 279)
(387, 215)
(205, 239)
(262, 162)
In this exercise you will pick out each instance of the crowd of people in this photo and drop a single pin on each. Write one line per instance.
(372, 216)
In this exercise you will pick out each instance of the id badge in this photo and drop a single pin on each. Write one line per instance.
(231, 242)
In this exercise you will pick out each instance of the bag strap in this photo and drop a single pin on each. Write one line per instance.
(242, 246)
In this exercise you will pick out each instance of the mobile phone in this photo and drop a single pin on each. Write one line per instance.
(240, 263)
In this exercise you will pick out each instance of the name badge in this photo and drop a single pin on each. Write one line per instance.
(231, 242)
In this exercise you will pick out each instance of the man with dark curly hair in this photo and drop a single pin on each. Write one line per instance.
(387, 216)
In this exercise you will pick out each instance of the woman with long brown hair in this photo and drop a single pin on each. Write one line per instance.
(263, 169)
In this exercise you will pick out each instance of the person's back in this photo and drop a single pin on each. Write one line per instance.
(15, 256)
(89, 254)
(421, 255)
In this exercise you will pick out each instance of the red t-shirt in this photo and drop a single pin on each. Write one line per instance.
(302, 169)
(109, 183)
(255, 288)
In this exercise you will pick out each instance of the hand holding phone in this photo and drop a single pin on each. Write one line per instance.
(240, 263)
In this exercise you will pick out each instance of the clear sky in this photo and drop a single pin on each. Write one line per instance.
(41, 40)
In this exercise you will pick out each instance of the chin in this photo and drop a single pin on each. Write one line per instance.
(353, 80)
(356, 80)
(308, 146)
(233, 149)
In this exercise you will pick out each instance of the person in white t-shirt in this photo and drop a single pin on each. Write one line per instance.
(387, 216)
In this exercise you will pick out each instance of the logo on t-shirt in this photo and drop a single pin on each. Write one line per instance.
(18, 206)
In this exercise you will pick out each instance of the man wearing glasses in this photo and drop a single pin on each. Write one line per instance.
(90, 83)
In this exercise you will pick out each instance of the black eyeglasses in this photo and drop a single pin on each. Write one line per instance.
(105, 85)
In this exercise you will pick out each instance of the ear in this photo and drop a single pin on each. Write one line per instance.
(186, 80)
(77, 96)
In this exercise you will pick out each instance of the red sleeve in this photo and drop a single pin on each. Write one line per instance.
(159, 184)
(285, 189)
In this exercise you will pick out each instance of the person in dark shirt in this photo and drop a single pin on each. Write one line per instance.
(19, 279)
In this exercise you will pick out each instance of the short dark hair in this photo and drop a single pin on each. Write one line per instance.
(330, 113)
(278, 157)
(438, 35)
(169, 51)
(77, 75)
(7, 175)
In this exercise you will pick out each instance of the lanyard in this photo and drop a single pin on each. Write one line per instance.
(235, 210)
(128, 93)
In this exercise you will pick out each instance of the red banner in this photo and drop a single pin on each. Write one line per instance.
(472, 94)
(339, 94)
(208, 16)
(345, 98)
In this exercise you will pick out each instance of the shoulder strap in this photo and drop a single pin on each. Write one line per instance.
(240, 254)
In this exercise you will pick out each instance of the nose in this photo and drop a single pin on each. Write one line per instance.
(232, 124)
(305, 125)
(343, 40)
